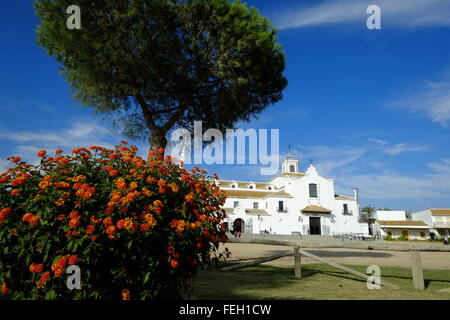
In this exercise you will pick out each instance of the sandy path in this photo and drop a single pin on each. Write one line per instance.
(430, 260)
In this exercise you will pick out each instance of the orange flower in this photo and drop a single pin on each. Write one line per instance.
(59, 202)
(61, 217)
(59, 271)
(125, 294)
(30, 218)
(121, 224)
(15, 159)
(111, 230)
(113, 172)
(58, 266)
(107, 222)
(36, 268)
(14, 192)
(74, 223)
(173, 223)
(62, 185)
(146, 192)
(121, 184)
(174, 263)
(150, 220)
(44, 278)
(74, 215)
(73, 259)
(58, 151)
(5, 211)
(4, 288)
(128, 223)
(41, 153)
(90, 229)
(133, 185)
(174, 187)
(158, 203)
(170, 249)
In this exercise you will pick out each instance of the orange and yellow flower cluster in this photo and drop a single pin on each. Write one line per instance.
(120, 201)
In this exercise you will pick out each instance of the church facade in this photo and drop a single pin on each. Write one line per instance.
(291, 203)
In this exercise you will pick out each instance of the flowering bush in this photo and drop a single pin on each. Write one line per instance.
(137, 229)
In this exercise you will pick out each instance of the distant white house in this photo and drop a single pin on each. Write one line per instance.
(394, 224)
(438, 220)
(291, 203)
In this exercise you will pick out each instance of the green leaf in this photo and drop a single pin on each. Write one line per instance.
(50, 295)
(146, 277)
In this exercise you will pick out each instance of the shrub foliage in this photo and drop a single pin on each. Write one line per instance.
(137, 229)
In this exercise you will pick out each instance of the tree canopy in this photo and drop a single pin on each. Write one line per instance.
(155, 65)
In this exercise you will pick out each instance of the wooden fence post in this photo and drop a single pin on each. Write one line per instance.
(297, 262)
(417, 272)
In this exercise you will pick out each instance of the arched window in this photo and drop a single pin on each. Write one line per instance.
(313, 190)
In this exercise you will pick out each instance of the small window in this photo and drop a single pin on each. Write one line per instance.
(291, 168)
(233, 186)
(255, 205)
(389, 233)
(404, 233)
(345, 208)
(270, 188)
(422, 235)
(313, 190)
(280, 206)
(251, 187)
(236, 204)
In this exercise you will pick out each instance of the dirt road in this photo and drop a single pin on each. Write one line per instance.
(430, 260)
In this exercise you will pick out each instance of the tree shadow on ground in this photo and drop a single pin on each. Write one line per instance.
(247, 282)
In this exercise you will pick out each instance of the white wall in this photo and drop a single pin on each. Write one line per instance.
(424, 215)
(390, 215)
(413, 234)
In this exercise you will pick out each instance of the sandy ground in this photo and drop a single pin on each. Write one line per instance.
(430, 260)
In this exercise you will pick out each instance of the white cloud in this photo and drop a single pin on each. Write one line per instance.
(327, 159)
(395, 149)
(378, 141)
(83, 133)
(393, 185)
(433, 100)
(402, 13)
(402, 147)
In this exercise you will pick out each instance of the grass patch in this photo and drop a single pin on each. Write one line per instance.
(319, 282)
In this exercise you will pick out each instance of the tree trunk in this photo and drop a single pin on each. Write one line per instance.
(157, 140)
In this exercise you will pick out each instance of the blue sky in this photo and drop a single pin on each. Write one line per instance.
(371, 108)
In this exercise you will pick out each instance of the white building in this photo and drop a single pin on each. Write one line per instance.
(438, 220)
(291, 203)
(391, 223)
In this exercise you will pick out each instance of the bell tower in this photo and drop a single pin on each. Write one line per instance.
(289, 165)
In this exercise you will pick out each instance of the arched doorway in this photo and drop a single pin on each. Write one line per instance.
(238, 225)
